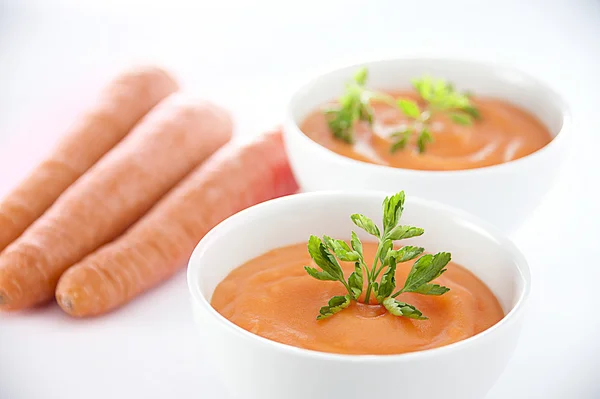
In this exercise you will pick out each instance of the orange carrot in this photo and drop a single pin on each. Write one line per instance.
(175, 137)
(120, 106)
(233, 179)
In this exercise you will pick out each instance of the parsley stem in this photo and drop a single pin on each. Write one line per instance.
(376, 261)
(343, 281)
(377, 272)
(371, 274)
(370, 281)
(368, 294)
(368, 274)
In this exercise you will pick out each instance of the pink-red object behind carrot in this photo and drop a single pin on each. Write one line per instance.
(233, 179)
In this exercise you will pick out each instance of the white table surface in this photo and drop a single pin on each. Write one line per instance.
(248, 55)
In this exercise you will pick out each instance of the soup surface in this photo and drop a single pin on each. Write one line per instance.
(273, 296)
(504, 133)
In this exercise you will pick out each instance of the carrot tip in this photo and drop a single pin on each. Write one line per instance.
(65, 303)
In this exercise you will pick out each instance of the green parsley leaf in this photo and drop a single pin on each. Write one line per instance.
(335, 305)
(360, 77)
(432, 289)
(385, 248)
(340, 123)
(402, 139)
(392, 210)
(319, 275)
(424, 138)
(471, 110)
(424, 86)
(440, 94)
(406, 253)
(355, 281)
(356, 244)
(323, 258)
(461, 119)
(403, 232)
(341, 249)
(376, 288)
(398, 308)
(366, 224)
(410, 108)
(426, 268)
(388, 281)
(366, 114)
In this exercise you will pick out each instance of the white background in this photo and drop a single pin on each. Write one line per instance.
(249, 55)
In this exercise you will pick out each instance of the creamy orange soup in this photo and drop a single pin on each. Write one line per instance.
(273, 296)
(504, 133)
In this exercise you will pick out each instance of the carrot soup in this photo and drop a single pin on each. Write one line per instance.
(400, 303)
(433, 127)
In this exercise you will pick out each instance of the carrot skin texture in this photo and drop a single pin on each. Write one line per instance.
(174, 138)
(119, 107)
(235, 178)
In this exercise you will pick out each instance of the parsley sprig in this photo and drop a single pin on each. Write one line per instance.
(353, 106)
(326, 253)
(439, 97)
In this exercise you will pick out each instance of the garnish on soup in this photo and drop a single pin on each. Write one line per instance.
(353, 107)
(439, 97)
(326, 252)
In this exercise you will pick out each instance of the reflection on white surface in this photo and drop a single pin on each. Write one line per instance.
(249, 56)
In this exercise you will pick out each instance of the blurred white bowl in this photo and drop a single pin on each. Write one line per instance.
(253, 367)
(504, 194)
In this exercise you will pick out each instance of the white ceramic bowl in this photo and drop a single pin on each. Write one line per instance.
(504, 194)
(253, 367)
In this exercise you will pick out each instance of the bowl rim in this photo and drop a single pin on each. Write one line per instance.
(291, 127)
(520, 263)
